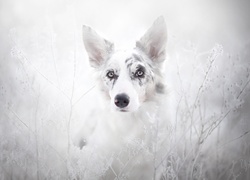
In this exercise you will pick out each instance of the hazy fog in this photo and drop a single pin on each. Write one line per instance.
(46, 83)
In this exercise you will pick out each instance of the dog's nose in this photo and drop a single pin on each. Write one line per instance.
(121, 100)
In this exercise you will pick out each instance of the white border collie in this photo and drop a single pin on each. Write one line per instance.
(134, 123)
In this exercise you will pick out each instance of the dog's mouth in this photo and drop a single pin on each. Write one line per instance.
(123, 110)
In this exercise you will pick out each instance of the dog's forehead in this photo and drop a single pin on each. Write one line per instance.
(124, 58)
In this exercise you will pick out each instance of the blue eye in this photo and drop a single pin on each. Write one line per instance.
(139, 73)
(110, 74)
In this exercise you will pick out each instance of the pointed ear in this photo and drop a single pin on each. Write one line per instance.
(98, 49)
(153, 43)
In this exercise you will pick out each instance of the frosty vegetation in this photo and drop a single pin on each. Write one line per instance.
(46, 90)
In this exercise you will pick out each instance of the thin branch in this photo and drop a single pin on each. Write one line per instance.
(53, 56)
(20, 120)
(217, 122)
(71, 98)
(90, 89)
(212, 57)
(25, 59)
(37, 139)
(243, 89)
(156, 144)
(241, 136)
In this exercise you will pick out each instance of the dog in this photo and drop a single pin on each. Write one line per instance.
(133, 124)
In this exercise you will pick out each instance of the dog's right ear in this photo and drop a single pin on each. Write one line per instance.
(153, 43)
(98, 49)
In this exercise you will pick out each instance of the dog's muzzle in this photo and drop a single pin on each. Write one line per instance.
(121, 100)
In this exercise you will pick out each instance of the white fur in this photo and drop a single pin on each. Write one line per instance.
(147, 117)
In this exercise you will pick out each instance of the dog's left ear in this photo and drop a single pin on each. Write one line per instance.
(153, 43)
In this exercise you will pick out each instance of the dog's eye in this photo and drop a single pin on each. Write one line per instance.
(110, 74)
(139, 73)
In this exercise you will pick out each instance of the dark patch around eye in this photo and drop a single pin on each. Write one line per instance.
(114, 81)
(160, 88)
(114, 78)
(110, 74)
(112, 71)
(140, 68)
(140, 82)
(136, 77)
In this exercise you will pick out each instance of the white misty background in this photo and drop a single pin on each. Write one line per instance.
(47, 88)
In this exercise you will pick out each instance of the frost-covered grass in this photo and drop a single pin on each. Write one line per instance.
(211, 131)
(46, 91)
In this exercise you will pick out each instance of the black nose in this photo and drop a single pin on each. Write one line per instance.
(121, 100)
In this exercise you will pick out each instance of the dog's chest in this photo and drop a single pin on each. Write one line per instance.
(113, 131)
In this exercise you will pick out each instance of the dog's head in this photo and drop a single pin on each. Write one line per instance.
(128, 78)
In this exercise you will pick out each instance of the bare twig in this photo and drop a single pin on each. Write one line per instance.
(37, 140)
(90, 89)
(53, 55)
(71, 98)
(243, 89)
(26, 61)
(22, 122)
(212, 57)
(239, 137)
